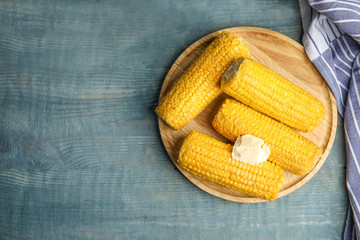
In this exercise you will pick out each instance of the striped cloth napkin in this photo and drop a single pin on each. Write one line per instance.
(332, 42)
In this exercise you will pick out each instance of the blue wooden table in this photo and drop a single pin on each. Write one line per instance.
(80, 151)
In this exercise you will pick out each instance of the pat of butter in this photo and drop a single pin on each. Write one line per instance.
(250, 149)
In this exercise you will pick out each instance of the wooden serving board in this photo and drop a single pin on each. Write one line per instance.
(284, 56)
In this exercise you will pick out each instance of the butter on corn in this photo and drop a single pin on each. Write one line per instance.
(250, 149)
(289, 149)
(200, 84)
(268, 92)
(211, 159)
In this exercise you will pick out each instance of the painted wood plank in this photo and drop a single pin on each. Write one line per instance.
(80, 151)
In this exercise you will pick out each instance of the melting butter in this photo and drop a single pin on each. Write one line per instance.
(250, 149)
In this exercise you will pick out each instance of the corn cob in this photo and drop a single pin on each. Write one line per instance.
(211, 159)
(289, 149)
(266, 91)
(200, 84)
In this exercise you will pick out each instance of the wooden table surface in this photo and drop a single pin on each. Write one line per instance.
(80, 151)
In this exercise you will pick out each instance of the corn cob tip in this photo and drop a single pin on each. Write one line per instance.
(233, 69)
(316, 157)
(173, 124)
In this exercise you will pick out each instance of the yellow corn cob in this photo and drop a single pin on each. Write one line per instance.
(200, 84)
(211, 159)
(289, 149)
(266, 91)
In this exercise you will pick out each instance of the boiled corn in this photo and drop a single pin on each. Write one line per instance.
(266, 91)
(211, 159)
(200, 84)
(289, 149)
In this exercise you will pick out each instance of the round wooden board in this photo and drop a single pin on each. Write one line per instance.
(284, 56)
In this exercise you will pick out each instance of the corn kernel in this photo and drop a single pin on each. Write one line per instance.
(289, 149)
(227, 171)
(201, 79)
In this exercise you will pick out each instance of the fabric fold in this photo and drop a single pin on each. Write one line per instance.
(331, 41)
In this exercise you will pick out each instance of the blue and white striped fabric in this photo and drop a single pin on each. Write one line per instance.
(332, 42)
